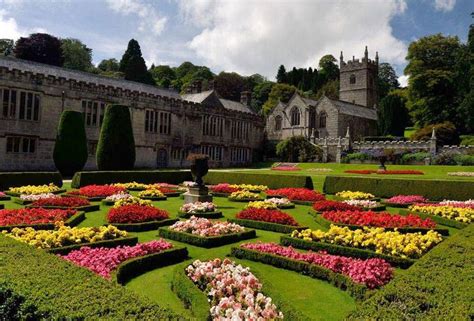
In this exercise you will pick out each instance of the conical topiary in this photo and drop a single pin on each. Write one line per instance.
(70, 149)
(116, 147)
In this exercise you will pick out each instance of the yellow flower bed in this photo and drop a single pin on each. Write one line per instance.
(460, 214)
(132, 201)
(34, 189)
(350, 195)
(132, 185)
(262, 205)
(239, 195)
(394, 243)
(249, 187)
(151, 193)
(65, 235)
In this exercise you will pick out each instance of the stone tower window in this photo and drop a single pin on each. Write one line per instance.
(295, 116)
(278, 121)
(352, 79)
(322, 119)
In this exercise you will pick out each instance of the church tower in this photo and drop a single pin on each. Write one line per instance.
(358, 80)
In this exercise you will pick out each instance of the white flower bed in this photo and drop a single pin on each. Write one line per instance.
(35, 197)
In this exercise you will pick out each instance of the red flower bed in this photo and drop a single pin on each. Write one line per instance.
(285, 168)
(98, 190)
(383, 219)
(297, 194)
(387, 172)
(166, 190)
(327, 205)
(33, 216)
(264, 215)
(62, 201)
(136, 214)
(223, 188)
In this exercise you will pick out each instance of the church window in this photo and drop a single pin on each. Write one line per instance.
(352, 79)
(322, 120)
(20, 105)
(295, 116)
(278, 121)
(94, 112)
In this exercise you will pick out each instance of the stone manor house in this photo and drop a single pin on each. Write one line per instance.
(166, 126)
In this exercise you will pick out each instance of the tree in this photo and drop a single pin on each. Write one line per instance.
(446, 133)
(328, 69)
(109, 65)
(260, 95)
(229, 85)
(387, 80)
(76, 55)
(70, 148)
(163, 75)
(279, 92)
(392, 114)
(6, 47)
(116, 146)
(330, 89)
(298, 149)
(466, 107)
(281, 75)
(133, 65)
(40, 47)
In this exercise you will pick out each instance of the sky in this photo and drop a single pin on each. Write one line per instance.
(245, 36)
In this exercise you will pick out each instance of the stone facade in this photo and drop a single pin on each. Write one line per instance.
(166, 126)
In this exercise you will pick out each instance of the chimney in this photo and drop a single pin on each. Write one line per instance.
(246, 98)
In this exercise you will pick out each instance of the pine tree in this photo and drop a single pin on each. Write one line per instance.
(281, 75)
(393, 115)
(133, 65)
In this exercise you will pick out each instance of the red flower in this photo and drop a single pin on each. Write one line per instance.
(33, 216)
(98, 190)
(327, 205)
(136, 214)
(224, 188)
(62, 201)
(285, 168)
(382, 219)
(297, 194)
(272, 216)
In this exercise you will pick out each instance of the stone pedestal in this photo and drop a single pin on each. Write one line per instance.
(197, 194)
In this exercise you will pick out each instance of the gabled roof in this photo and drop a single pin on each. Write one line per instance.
(199, 97)
(210, 97)
(234, 105)
(347, 108)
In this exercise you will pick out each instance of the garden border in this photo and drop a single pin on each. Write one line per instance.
(154, 198)
(5, 198)
(208, 215)
(143, 226)
(267, 226)
(438, 219)
(206, 242)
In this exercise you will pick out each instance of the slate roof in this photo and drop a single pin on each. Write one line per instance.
(346, 108)
(234, 105)
(197, 98)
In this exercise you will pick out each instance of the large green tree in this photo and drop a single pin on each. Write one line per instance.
(229, 85)
(133, 65)
(6, 47)
(40, 47)
(116, 147)
(281, 75)
(393, 114)
(76, 55)
(387, 79)
(260, 95)
(328, 68)
(163, 75)
(70, 148)
(279, 92)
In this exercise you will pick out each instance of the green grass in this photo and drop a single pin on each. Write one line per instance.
(409, 131)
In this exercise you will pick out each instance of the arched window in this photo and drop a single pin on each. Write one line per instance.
(278, 121)
(322, 119)
(295, 116)
(352, 79)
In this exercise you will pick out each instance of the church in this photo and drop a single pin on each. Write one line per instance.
(354, 112)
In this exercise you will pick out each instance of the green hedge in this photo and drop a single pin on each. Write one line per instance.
(35, 285)
(85, 208)
(132, 240)
(207, 242)
(15, 179)
(341, 281)
(439, 286)
(388, 187)
(267, 226)
(147, 177)
(438, 219)
(139, 265)
(343, 250)
(2, 206)
(272, 181)
(209, 215)
(144, 226)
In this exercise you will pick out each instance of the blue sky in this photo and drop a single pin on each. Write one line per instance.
(246, 36)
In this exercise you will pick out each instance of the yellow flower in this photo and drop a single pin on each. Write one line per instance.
(239, 195)
(151, 193)
(262, 204)
(249, 187)
(34, 189)
(132, 201)
(460, 214)
(132, 185)
(350, 195)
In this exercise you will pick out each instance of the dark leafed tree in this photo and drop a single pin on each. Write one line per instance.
(163, 75)
(6, 47)
(387, 80)
(229, 85)
(40, 47)
(281, 75)
(133, 65)
(76, 55)
(279, 92)
(260, 94)
(393, 114)
(328, 69)
(109, 65)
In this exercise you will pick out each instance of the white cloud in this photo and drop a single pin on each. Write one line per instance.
(444, 5)
(257, 36)
(150, 20)
(403, 80)
(9, 28)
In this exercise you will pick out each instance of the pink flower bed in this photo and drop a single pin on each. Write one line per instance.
(204, 227)
(373, 273)
(406, 199)
(103, 261)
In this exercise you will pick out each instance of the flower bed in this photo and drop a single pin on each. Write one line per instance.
(459, 214)
(286, 168)
(66, 202)
(391, 243)
(250, 187)
(33, 217)
(233, 290)
(404, 200)
(132, 201)
(297, 195)
(271, 203)
(366, 204)
(267, 215)
(384, 172)
(4, 197)
(244, 196)
(350, 195)
(328, 205)
(132, 186)
(28, 199)
(152, 194)
(373, 273)
(461, 174)
(262, 205)
(223, 188)
(468, 203)
(34, 189)
(199, 209)
(103, 261)
(110, 200)
(136, 214)
(97, 192)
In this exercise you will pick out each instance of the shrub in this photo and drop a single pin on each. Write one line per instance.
(414, 157)
(464, 160)
(70, 148)
(446, 134)
(13, 179)
(445, 158)
(272, 181)
(116, 146)
(355, 156)
(467, 140)
(435, 288)
(298, 149)
(39, 291)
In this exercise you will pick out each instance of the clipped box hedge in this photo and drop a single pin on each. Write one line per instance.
(5, 198)
(344, 250)
(15, 179)
(85, 208)
(208, 215)
(35, 285)
(388, 187)
(439, 286)
(147, 177)
(206, 242)
(144, 226)
(358, 291)
(267, 226)
(270, 180)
